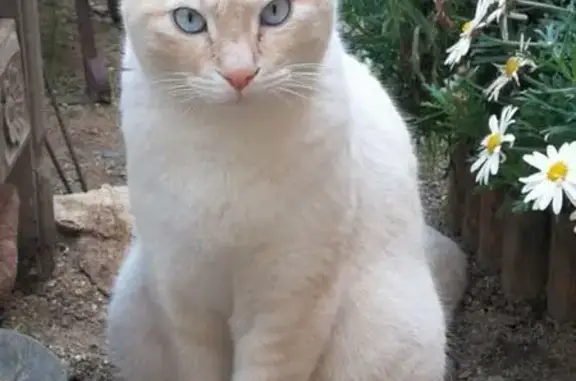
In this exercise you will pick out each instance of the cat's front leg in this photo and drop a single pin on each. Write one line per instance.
(280, 329)
(202, 350)
(278, 351)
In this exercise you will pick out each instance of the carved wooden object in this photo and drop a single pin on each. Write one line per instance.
(22, 135)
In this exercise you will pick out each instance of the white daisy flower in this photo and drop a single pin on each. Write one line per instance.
(462, 46)
(557, 177)
(509, 71)
(573, 218)
(491, 154)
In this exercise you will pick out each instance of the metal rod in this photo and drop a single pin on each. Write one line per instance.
(54, 160)
(65, 134)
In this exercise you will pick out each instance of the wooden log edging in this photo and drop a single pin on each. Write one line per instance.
(490, 226)
(456, 194)
(534, 253)
(470, 223)
(525, 255)
(561, 288)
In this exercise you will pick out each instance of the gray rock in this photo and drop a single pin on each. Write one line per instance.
(25, 359)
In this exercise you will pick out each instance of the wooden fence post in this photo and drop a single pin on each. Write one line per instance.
(490, 230)
(456, 189)
(470, 224)
(524, 254)
(562, 270)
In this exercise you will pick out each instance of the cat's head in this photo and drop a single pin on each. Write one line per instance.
(220, 51)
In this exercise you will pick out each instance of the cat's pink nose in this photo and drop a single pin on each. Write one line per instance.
(240, 78)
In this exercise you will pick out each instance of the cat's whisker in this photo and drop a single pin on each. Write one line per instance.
(307, 65)
(274, 77)
(308, 81)
(301, 86)
(275, 83)
(281, 97)
(305, 75)
(188, 87)
(292, 92)
(184, 80)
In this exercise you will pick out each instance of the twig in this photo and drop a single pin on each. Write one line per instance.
(64, 131)
(441, 17)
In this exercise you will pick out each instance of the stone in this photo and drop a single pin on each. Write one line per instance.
(24, 359)
(101, 222)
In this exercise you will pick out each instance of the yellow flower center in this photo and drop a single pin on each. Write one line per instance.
(511, 67)
(493, 141)
(557, 171)
(466, 26)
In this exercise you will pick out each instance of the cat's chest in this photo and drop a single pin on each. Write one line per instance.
(210, 206)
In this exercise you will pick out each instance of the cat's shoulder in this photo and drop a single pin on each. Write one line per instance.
(371, 104)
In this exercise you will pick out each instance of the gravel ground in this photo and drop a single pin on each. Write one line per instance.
(491, 339)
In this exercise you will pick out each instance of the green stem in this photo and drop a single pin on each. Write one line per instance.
(521, 149)
(534, 82)
(536, 4)
(515, 43)
(556, 91)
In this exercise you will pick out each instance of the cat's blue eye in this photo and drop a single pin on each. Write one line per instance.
(189, 20)
(275, 12)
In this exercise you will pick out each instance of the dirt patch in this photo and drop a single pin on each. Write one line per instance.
(492, 340)
(93, 128)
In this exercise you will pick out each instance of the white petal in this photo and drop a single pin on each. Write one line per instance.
(571, 176)
(508, 138)
(494, 161)
(480, 178)
(494, 89)
(478, 163)
(537, 160)
(570, 190)
(533, 179)
(457, 51)
(543, 201)
(552, 153)
(557, 201)
(534, 193)
(493, 124)
(564, 151)
(484, 172)
(507, 113)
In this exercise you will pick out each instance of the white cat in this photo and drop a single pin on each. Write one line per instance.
(274, 189)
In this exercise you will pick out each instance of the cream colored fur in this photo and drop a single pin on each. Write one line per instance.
(280, 234)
